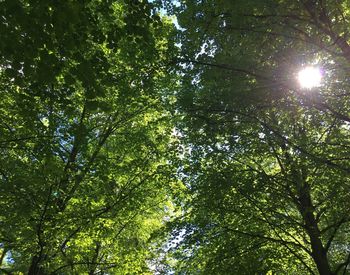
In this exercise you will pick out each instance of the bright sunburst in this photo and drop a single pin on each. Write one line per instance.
(310, 77)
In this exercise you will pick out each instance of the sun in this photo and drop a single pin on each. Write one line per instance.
(310, 77)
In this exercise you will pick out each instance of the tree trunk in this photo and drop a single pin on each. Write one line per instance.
(319, 253)
(94, 259)
(35, 266)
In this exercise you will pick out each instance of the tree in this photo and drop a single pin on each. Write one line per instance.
(267, 167)
(84, 135)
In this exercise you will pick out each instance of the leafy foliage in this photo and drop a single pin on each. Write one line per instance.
(84, 135)
(267, 167)
(94, 149)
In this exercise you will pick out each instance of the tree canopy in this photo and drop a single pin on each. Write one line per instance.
(84, 135)
(267, 164)
(132, 146)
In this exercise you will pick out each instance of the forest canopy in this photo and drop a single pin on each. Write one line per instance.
(174, 137)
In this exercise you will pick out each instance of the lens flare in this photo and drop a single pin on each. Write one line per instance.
(310, 77)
